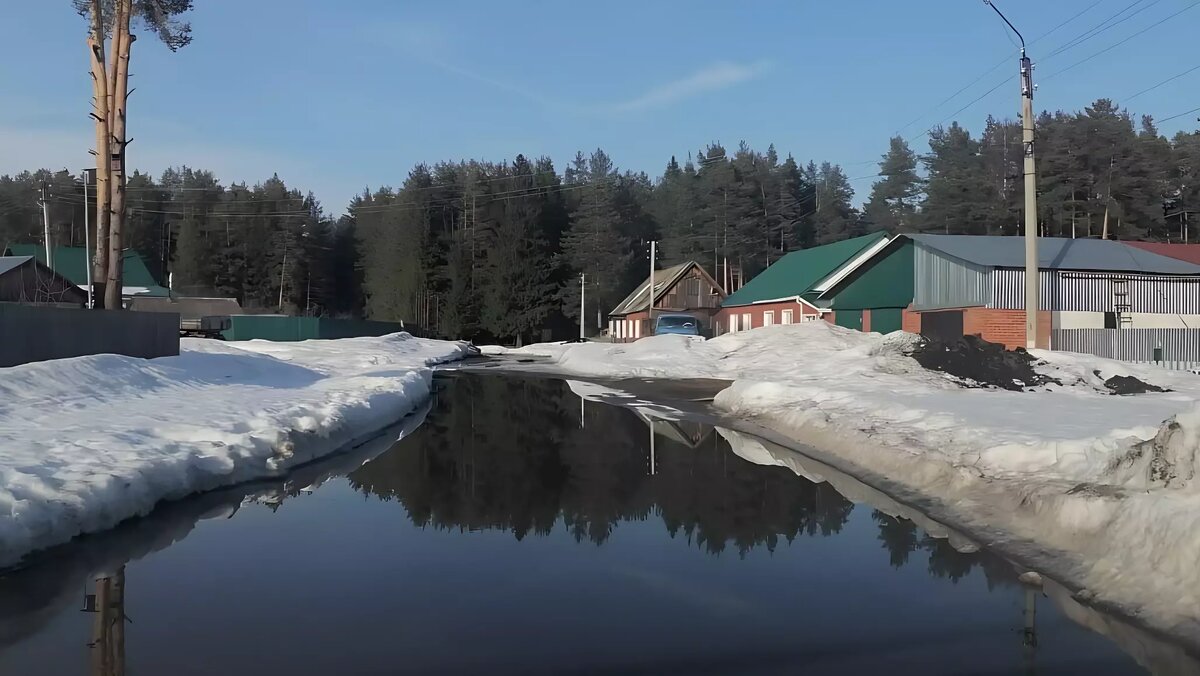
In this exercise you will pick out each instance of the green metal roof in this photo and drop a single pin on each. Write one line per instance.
(796, 273)
(71, 262)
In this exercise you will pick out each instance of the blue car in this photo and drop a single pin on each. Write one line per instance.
(680, 325)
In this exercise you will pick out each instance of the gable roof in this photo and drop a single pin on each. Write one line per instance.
(1055, 253)
(664, 279)
(1183, 252)
(798, 272)
(72, 263)
(8, 263)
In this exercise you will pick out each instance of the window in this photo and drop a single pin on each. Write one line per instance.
(768, 318)
(786, 317)
(747, 321)
(733, 323)
(637, 329)
(620, 328)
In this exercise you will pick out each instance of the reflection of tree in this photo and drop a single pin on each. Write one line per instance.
(510, 453)
(901, 538)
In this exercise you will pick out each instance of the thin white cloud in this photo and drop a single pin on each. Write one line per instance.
(713, 78)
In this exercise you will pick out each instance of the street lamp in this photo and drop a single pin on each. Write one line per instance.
(1031, 257)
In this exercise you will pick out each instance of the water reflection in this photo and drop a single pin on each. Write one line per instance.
(529, 458)
(508, 454)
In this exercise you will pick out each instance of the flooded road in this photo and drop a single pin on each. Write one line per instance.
(517, 529)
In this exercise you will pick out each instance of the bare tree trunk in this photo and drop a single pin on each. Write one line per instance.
(95, 44)
(122, 41)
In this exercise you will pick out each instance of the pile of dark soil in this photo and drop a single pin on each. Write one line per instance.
(1129, 385)
(981, 364)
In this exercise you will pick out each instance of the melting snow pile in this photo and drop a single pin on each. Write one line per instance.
(91, 441)
(1041, 448)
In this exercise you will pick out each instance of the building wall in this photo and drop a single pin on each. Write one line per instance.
(941, 281)
(885, 282)
(1137, 320)
(1006, 327)
(692, 291)
(757, 315)
(1096, 292)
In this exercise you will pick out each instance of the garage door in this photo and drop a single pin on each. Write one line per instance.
(851, 319)
(886, 320)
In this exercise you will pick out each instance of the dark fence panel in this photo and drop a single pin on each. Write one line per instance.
(1170, 348)
(279, 328)
(30, 333)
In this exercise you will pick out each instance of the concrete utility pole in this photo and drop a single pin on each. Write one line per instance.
(650, 307)
(1031, 229)
(582, 304)
(46, 225)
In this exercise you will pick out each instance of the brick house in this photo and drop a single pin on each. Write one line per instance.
(784, 292)
(685, 288)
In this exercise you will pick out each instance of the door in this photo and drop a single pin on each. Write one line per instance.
(886, 320)
(851, 319)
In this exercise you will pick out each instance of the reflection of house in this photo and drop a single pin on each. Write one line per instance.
(25, 280)
(680, 288)
(684, 432)
(72, 262)
(783, 293)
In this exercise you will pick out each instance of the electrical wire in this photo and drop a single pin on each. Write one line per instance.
(1175, 117)
(1118, 44)
(1150, 89)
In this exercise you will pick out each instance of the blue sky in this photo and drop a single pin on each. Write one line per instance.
(338, 96)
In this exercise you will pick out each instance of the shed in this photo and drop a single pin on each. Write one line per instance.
(685, 287)
(786, 292)
(23, 279)
(72, 263)
(967, 284)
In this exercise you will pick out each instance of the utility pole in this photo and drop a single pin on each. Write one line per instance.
(1031, 229)
(46, 224)
(650, 307)
(582, 304)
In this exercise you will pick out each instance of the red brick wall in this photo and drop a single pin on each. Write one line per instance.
(910, 321)
(866, 327)
(829, 317)
(1006, 327)
(758, 311)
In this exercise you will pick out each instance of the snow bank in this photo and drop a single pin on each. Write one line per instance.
(551, 350)
(91, 441)
(1104, 483)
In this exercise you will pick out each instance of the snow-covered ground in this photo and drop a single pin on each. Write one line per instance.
(1104, 483)
(91, 441)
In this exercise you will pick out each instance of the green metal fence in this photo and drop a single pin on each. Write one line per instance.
(284, 329)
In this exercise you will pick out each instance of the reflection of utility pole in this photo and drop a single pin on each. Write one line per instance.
(108, 627)
(651, 446)
(1031, 582)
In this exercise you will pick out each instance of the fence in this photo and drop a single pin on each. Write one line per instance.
(30, 333)
(286, 329)
(1170, 348)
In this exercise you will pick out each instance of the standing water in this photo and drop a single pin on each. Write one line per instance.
(518, 529)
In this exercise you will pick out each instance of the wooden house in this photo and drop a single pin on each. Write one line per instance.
(685, 288)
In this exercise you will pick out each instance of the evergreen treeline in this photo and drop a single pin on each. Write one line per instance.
(496, 250)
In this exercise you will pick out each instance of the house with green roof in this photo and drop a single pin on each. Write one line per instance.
(786, 292)
(72, 262)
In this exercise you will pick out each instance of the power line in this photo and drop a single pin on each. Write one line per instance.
(1175, 117)
(80, 203)
(1118, 44)
(993, 69)
(1170, 79)
(1100, 28)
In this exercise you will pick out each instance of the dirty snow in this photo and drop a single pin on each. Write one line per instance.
(1104, 481)
(91, 441)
